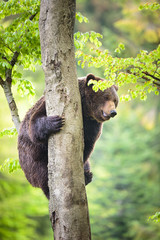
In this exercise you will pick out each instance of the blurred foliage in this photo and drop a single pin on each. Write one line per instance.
(150, 6)
(23, 212)
(126, 165)
(126, 160)
(155, 217)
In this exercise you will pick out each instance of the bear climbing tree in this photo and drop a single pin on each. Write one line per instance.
(97, 107)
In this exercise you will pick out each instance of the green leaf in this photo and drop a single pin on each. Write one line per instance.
(121, 46)
(81, 18)
(10, 165)
(157, 93)
(25, 88)
(155, 218)
(125, 98)
(8, 132)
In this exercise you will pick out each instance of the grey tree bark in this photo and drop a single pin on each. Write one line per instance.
(68, 202)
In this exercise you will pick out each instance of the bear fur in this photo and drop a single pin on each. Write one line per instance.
(36, 127)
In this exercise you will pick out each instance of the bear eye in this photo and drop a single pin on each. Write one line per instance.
(106, 98)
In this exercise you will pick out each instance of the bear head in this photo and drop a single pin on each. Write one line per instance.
(101, 105)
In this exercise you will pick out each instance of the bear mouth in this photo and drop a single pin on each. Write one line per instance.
(105, 116)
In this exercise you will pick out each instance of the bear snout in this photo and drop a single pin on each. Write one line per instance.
(113, 113)
(106, 116)
(108, 110)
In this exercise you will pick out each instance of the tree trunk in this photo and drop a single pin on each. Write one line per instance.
(68, 203)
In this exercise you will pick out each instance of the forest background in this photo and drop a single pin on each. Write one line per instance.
(126, 161)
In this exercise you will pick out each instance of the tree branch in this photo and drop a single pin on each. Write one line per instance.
(155, 83)
(14, 59)
(6, 85)
(9, 70)
(1, 81)
(152, 76)
(147, 79)
(11, 102)
(32, 16)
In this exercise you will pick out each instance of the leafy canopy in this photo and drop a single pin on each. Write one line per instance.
(20, 33)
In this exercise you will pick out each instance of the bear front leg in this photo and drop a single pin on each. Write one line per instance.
(87, 174)
(42, 127)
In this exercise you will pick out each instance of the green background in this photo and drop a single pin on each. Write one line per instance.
(126, 161)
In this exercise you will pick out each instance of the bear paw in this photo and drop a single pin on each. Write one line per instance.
(56, 123)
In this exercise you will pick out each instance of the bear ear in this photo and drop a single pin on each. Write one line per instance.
(89, 77)
(116, 87)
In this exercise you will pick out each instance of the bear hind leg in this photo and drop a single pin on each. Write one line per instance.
(45, 189)
(87, 174)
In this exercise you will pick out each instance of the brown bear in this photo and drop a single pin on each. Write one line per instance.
(97, 107)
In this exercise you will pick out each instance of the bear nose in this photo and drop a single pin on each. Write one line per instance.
(113, 113)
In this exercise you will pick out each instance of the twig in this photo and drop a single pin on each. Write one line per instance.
(32, 16)
(1, 81)
(147, 79)
(150, 75)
